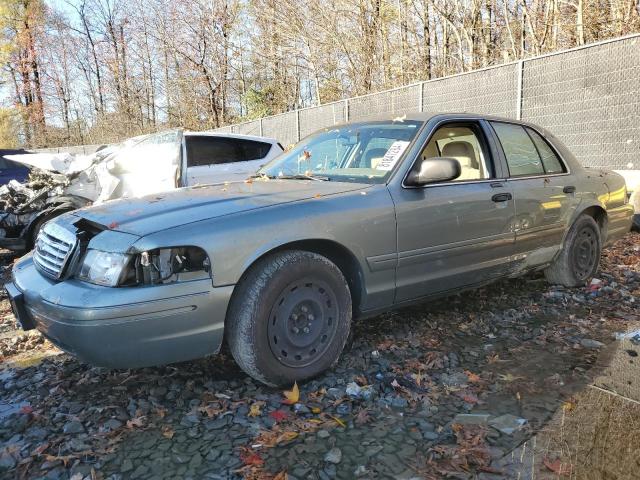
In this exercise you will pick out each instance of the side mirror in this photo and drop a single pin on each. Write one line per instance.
(434, 169)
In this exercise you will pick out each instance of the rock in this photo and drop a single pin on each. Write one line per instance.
(472, 418)
(333, 456)
(455, 379)
(399, 403)
(353, 390)
(323, 434)
(112, 424)
(73, 427)
(589, 343)
(360, 471)
(195, 461)
(126, 466)
(507, 424)
(7, 462)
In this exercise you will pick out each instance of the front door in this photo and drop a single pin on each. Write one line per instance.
(456, 233)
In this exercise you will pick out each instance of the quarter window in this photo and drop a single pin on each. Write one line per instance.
(550, 160)
(522, 155)
(211, 150)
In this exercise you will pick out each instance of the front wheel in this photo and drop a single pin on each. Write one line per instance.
(579, 259)
(289, 318)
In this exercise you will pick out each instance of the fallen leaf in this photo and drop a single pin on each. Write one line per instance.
(473, 377)
(339, 422)
(251, 459)
(26, 409)
(281, 476)
(286, 437)
(316, 410)
(509, 378)
(278, 415)
(363, 417)
(40, 449)
(470, 398)
(168, 432)
(255, 411)
(292, 396)
(136, 422)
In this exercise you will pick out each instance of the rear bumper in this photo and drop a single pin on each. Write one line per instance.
(123, 327)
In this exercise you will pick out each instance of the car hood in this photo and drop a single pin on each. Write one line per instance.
(145, 215)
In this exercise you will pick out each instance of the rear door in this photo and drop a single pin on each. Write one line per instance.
(215, 159)
(458, 233)
(543, 189)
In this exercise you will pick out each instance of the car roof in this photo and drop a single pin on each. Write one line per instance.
(426, 116)
(444, 116)
(209, 133)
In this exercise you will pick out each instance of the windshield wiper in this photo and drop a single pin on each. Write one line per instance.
(303, 176)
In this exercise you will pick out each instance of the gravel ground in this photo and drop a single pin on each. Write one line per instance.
(444, 389)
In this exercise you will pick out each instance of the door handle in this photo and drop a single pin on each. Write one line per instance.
(501, 197)
(569, 189)
(496, 185)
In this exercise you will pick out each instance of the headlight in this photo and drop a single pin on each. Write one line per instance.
(102, 268)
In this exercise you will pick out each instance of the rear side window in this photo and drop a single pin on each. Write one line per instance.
(522, 154)
(215, 150)
(550, 160)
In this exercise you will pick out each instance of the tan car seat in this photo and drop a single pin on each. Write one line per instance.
(466, 155)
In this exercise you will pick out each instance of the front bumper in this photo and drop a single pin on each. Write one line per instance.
(124, 327)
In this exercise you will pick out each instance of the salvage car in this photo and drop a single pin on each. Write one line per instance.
(355, 220)
(143, 165)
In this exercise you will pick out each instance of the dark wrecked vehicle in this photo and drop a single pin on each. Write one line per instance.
(60, 183)
(353, 221)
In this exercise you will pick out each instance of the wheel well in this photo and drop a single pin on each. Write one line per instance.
(344, 259)
(600, 216)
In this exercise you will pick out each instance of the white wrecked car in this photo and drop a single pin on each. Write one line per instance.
(139, 166)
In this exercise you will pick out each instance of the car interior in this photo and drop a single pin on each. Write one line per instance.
(462, 144)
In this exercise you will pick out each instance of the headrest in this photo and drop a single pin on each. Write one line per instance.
(461, 151)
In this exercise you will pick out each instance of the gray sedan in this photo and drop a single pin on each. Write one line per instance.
(355, 220)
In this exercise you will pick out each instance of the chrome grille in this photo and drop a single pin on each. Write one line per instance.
(53, 248)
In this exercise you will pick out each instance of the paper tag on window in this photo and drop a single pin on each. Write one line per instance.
(393, 155)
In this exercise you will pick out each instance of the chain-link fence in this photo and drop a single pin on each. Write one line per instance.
(588, 96)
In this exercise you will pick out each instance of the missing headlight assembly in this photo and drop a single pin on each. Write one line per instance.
(154, 267)
(166, 265)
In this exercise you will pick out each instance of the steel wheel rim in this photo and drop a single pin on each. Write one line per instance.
(303, 322)
(585, 253)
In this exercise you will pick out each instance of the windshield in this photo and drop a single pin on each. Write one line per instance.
(358, 152)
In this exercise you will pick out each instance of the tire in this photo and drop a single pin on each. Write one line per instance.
(289, 318)
(580, 256)
(33, 236)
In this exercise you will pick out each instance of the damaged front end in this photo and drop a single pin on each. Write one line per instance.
(23, 206)
(59, 183)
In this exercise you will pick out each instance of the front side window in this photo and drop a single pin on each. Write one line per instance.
(358, 152)
(462, 143)
(522, 155)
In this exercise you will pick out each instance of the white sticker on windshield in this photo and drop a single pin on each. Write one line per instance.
(393, 155)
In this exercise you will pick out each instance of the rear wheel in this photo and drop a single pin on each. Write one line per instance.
(290, 317)
(579, 259)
